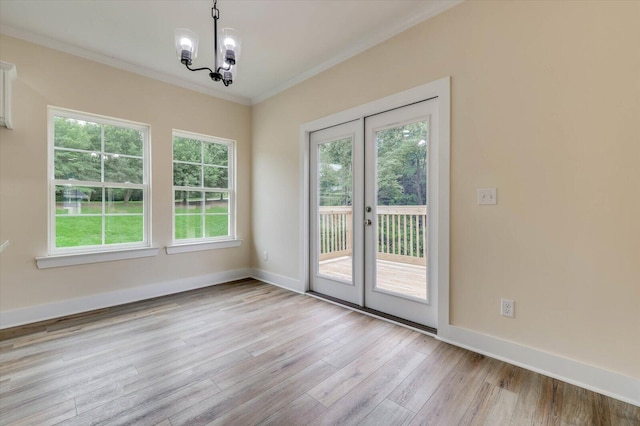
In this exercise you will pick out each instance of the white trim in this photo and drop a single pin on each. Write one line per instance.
(210, 245)
(63, 308)
(122, 65)
(440, 89)
(231, 189)
(277, 280)
(52, 182)
(614, 385)
(8, 73)
(609, 383)
(57, 261)
(372, 40)
(385, 33)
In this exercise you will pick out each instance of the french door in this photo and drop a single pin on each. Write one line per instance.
(337, 239)
(371, 187)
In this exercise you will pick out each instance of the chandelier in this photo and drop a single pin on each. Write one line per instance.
(225, 55)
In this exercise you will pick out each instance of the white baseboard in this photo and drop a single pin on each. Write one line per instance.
(609, 383)
(606, 382)
(277, 280)
(63, 308)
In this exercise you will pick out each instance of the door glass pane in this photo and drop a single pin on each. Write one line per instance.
(401, 262)
(335, 212)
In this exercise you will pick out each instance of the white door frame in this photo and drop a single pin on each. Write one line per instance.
(442, 90)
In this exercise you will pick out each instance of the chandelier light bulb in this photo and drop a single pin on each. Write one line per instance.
(230, 47)
(186, 45)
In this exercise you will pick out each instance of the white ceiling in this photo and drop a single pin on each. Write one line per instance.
(283, 41)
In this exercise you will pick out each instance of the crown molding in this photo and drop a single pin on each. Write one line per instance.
(116, 63)
(379, 37)
(386, 33)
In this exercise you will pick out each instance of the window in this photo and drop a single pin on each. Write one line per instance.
(98, 183)
(203, 187)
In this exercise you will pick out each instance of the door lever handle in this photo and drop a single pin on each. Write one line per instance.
(367, 222)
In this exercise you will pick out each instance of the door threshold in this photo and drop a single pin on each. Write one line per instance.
(381, 315)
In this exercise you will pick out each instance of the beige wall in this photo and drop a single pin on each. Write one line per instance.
(545, 107)
(48, 77)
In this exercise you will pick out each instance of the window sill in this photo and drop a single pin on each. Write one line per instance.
(84, 258)
(212, 245)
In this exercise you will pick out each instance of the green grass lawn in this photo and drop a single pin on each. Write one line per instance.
(191, 226)
(73, 230)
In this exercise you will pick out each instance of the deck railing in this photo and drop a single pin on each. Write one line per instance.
(402, 233)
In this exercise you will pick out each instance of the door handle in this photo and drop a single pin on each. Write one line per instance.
(367, 222)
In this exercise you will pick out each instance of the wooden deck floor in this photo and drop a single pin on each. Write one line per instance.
(249, 353)
(392, 276)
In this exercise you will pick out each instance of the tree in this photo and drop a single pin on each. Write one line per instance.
(335, 173)
(121, 157)
(402, 160)
(210, 170)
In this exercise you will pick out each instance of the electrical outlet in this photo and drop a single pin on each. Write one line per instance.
(487, 196)
(265, 256)
(507, 308)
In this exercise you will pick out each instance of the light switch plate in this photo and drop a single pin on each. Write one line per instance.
(487, 196)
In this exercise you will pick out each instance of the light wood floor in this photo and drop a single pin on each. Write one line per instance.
(250, 353)
(397, 277)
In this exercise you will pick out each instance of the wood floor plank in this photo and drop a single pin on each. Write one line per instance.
(388, 413)
(623, 414)
(425, 344)
(526, 411)
(162, 408)
(35, 397)
(454, 396)
(581, 407)
(249, 353)
(228, 399)
(550, 402)
(156, 377)
(148, 397)
(338, 385)
(507, 376)
(319, 326)
(265, 360)
(416, 389)
(5, 384)
(359, 345)
(48, 416)
(257, 409)
(299, 411)
(294, 327)
(492, 405)
(364, 398)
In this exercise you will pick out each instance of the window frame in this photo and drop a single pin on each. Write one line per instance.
(205, 243)
(52, 183)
